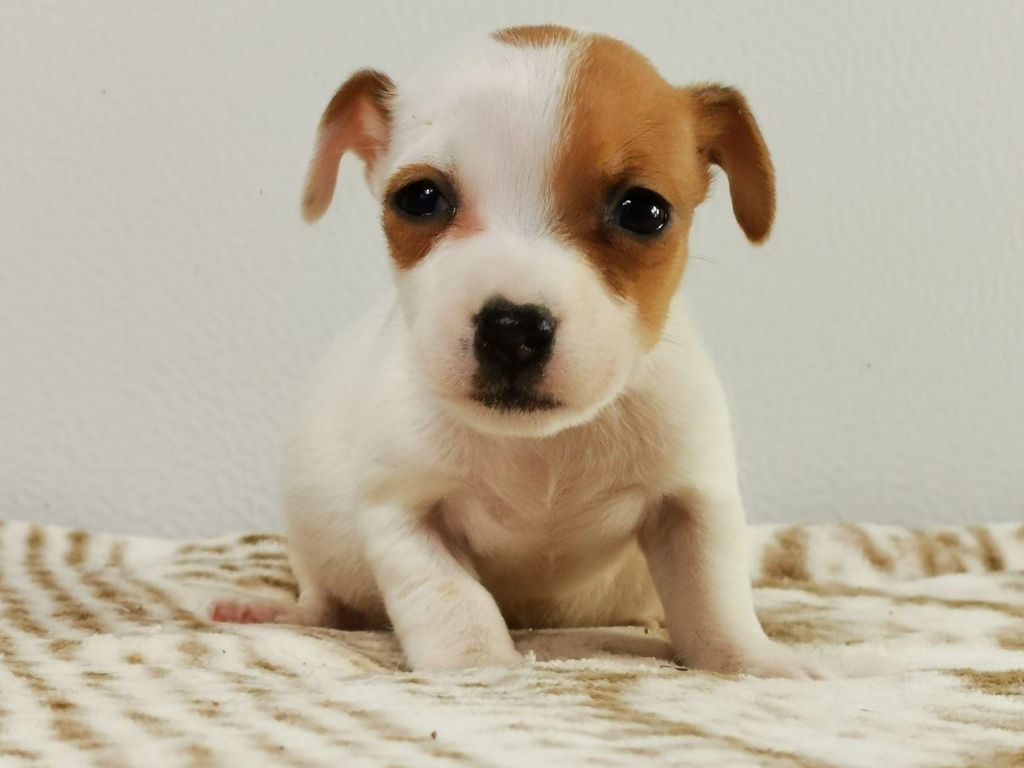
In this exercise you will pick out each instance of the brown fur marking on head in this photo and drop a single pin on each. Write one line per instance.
(626, 126)
(357, 119)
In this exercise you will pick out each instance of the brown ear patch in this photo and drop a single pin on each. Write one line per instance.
(357, 119)
(728, 136)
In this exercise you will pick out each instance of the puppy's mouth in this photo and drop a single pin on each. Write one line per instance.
(511, 394)
(514, 400)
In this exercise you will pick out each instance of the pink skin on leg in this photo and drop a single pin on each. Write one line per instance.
(254, 612)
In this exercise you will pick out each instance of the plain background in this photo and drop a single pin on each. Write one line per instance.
(161, 299)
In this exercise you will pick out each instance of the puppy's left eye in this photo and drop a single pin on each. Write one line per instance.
(420, 199)
(641, 211)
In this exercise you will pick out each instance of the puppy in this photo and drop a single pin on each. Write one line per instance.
(532, 435)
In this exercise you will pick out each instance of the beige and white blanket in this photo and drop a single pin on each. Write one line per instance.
(106, 659)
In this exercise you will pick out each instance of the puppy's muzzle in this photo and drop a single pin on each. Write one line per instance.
(512, 344)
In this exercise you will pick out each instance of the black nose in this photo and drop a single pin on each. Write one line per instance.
(513, 337)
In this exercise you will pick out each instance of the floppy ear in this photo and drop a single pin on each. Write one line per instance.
(357, 119)
(728, 136)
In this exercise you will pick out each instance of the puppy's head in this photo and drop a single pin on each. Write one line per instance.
(537, 196)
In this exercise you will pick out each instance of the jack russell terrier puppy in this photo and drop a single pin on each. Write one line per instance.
(532, 436)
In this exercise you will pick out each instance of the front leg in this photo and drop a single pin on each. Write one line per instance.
(696, 547)
(443, 616)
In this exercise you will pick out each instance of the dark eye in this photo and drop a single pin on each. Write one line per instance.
(642, 211)
(420, 199)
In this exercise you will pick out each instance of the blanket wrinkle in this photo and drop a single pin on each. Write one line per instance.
(107, 658)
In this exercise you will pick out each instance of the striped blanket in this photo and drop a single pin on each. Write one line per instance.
(107, 659)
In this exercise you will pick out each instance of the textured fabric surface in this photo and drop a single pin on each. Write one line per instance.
(106, 658)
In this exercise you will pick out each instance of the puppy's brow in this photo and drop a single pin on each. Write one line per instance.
(643, 133)
(416, 171)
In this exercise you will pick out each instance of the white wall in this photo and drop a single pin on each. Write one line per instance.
(160, 298)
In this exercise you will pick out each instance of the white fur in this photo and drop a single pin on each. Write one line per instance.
(408, 502)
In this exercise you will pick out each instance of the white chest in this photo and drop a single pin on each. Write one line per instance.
(552, 511)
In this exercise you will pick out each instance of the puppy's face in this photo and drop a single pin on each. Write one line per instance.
(537, 197)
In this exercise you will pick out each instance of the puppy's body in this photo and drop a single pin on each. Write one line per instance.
(549, 525)
(531, 435)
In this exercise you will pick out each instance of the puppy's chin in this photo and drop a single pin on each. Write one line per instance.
(521, 414)
(517, 422)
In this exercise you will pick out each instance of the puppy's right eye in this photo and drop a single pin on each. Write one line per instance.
(642, 211)
(420, 199)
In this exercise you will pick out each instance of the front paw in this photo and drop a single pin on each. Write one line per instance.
(441, 657)
(764, 659)
(449, 659)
